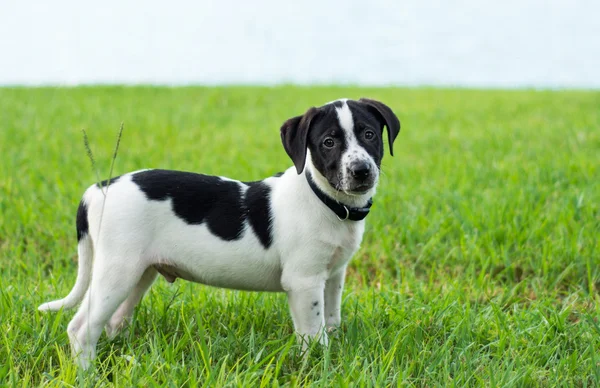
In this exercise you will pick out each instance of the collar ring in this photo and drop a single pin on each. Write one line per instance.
(347, 213)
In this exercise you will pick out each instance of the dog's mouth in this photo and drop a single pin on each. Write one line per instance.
(359, 189)
(352, 188)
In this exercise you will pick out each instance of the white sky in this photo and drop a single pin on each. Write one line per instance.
(511, 43)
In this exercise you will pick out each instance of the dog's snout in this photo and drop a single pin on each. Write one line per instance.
(360, 170)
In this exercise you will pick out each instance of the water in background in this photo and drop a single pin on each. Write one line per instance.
(480, 43)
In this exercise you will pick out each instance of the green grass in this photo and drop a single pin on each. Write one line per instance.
(480, 263)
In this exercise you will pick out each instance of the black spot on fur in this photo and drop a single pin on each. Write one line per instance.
(107, 182)
(278, 175)
(221, 204)
(81, 221)
(257, 202)
(315, 303)
(198, 199)
(318, 313)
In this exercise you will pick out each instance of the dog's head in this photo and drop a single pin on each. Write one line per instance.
(344, 139)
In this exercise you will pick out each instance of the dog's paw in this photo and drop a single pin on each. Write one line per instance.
(333, 330)
(307, 341)
(113, 329)
(117, 323)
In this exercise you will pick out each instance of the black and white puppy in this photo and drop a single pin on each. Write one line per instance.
(294, 232)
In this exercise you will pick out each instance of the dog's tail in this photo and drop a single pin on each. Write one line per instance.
(86, 252)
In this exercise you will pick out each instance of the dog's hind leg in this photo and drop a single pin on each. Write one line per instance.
(124, 313)
(109, 288)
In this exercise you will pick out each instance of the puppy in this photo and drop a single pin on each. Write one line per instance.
(294, 232)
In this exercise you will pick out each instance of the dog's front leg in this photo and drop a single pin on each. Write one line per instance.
(307, 306)
(333, 299)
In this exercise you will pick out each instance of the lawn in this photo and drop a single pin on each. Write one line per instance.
(480, 264)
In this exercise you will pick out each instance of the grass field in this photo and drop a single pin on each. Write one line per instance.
(480, 264)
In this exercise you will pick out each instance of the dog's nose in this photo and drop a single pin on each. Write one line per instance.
(360, 171)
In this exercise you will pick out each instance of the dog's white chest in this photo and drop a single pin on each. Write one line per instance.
(336, 259)
(348, 242)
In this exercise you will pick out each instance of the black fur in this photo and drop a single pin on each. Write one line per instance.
(317, 124)
(259, 212)
(367, 115)
(294, 135)
(365, 120)
(327, 160)
(107, 182)
(386, 118)
(197, 199)
(81, 222)
(218, 203)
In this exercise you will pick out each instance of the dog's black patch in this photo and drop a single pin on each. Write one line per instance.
(81, 222)
(278, 175)
(364, 120)
(259, 212)
(208, 199)
(107, 182)
(327, 160)
(198, 199)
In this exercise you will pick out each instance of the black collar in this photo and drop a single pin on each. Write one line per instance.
(342, 211)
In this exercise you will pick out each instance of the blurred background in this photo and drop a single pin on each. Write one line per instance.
(469, 43)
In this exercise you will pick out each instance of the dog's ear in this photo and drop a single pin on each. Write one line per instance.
(386, 117)
(294, 135)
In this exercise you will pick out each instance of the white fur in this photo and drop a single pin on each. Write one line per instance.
(307, 258)
(129, 234)
(344, 115)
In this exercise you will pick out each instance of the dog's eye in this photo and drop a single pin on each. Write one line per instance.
(369, 135)
(328, 142)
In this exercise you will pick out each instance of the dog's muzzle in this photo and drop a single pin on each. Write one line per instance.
(362, 177)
